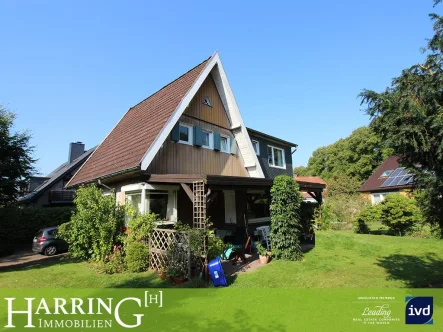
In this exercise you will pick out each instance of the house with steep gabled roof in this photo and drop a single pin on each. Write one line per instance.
(185, 154)
(388, 178)
(49, 190)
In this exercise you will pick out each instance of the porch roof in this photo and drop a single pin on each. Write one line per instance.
(227, 181)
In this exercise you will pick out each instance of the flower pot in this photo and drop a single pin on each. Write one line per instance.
(264, 259)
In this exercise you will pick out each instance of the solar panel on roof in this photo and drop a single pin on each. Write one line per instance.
(408, 179)
(396, 172)
(387, 182)
(396, 181)
(403, 172)
(400, 177)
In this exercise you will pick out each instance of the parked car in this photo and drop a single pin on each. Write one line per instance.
(46, 242)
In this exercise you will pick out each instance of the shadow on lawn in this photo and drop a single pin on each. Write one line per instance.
(416, 272)
(382, 232)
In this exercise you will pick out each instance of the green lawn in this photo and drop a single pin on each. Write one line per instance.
(340, 259)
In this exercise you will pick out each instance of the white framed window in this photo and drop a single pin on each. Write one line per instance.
(225, 144)
(185, 133)
(379, 197)
(276, 157)
(207, 139)
(158, 199)
(134, 199)
(256, 146)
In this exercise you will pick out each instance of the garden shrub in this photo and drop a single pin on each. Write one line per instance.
(366, 217)
(399, 213)
(140, 227)
(285, 218)
(425, 230)
(137, 256)
(346, 207)
(19, 225)
(95, 227)
(114, 262)
(323, 216)
(339, 211)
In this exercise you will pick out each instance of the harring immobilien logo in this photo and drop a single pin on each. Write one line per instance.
(419, 309)
(56, 312)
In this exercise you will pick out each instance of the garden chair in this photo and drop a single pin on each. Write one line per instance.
(238, 245)
(265, 232)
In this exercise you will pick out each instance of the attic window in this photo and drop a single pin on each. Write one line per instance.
(386, 173)
(207, 101)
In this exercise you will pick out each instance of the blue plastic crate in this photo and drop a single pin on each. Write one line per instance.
(216, 271)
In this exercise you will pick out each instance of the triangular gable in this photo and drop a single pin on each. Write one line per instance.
(208, 106)
(138, 136)
(215, 68)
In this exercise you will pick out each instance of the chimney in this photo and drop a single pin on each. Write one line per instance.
(76, 149)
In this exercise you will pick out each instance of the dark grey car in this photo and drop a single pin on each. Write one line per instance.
(45, 242)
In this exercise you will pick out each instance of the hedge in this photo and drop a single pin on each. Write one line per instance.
(18, 226)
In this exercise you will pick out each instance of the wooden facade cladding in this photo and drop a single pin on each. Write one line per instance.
(215, 114)
(178, 158)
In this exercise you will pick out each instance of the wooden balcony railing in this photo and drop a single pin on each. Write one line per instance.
(61, 196)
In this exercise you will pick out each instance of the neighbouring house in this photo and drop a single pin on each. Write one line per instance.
(387, 179)
(312, 182)
(185, 154)
(44, 191)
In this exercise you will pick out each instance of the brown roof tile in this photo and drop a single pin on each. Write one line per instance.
(374, 182)
(125, 146)
(310, 179)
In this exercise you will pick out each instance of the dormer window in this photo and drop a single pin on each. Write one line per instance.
(207, 101)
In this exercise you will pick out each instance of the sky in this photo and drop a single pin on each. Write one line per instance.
(71, 69)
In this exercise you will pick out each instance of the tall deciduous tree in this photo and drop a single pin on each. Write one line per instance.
(353, 158)
(16, 162)
(408, 115)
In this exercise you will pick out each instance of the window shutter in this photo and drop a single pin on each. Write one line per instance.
(217, 143)
(175, 133)
(198, 136)
(233, 145)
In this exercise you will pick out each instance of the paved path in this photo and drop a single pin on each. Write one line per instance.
(24, 258)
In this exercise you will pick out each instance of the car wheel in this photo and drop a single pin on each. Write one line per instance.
(50, 250)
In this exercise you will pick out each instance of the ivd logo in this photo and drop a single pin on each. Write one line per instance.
(419, 309)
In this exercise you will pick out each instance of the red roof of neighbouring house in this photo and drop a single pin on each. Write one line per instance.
(374, 182)
(125, 146)
(310, 179)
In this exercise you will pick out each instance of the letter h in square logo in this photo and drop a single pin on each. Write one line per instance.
(419, 309)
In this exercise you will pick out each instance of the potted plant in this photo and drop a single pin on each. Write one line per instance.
(262, 253)
(175, 275)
